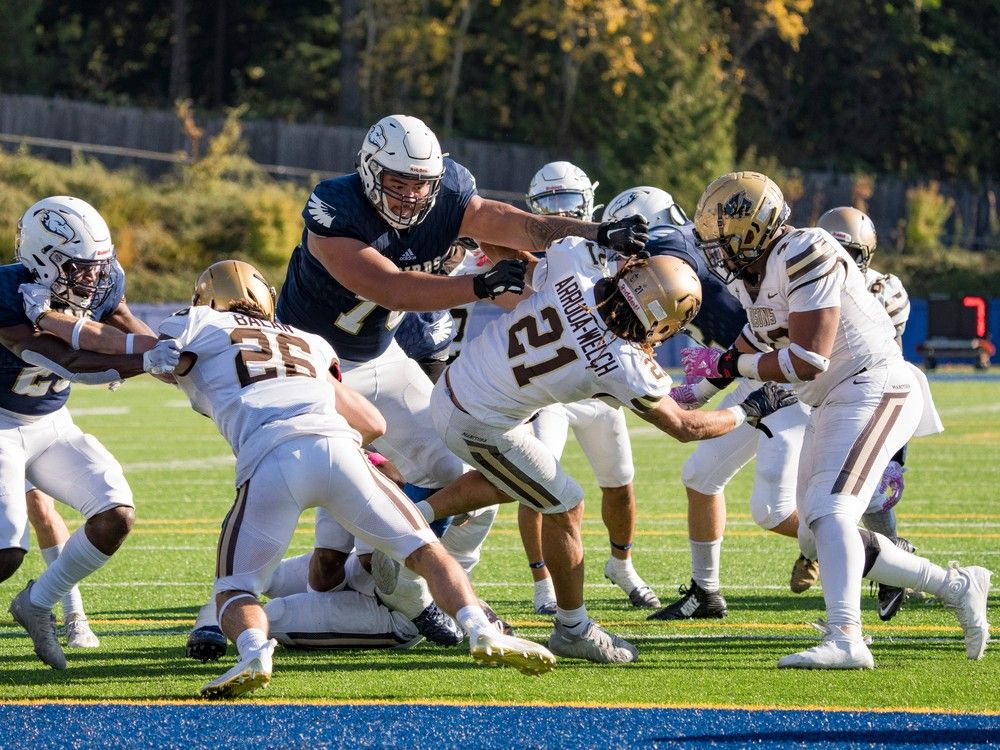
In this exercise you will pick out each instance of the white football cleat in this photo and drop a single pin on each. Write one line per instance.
(41, 626)
(249, 674)
(968, 590)
(79, 634)
(834, 652)
(489, 646)
(595, 644)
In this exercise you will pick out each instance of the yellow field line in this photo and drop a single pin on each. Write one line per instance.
(644, 624)
(510, 704)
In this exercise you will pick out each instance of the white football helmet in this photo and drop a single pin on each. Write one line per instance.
(67, 247)
(561, 189)
(854, 230)
(737, 217)
(657, 206)
(403, 147)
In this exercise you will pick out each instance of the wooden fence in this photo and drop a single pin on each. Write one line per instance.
(152, 138)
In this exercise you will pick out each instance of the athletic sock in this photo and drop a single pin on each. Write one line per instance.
(207, 615)
(357, 577)
(574, 620)
(471, 618)
(623, 573)
(841, 563)
(251, 642)
(705, 563)
(72, 603)
(77, 560)
(902, 569)
(290, 577)
(544, 592)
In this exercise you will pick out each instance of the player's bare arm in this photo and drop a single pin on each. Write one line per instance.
(811, 335)
(41, 348)
(363, 270)
(687, 426)
(359, 412)
(497, 223)
(103, 338)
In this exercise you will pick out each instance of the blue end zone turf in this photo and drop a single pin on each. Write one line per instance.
(261, 725)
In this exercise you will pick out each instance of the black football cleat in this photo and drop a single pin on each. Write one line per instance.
(695, 602)
(437, 627)
(207, 643)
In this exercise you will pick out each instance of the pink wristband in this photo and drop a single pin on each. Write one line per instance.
(376, 459)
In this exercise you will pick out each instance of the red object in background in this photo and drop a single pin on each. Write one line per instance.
(979, 305)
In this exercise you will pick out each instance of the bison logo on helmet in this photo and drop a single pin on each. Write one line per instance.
(376, 137)
(56, 224)
(738, 206)
(622, 202)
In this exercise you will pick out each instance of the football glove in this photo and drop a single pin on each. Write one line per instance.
(765, 401)
(506, 276)
(891, 485)
(162, 358)
(36, 299)
(627, 236)
(705, 362)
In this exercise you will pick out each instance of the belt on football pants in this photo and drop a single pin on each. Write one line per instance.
(451, 393)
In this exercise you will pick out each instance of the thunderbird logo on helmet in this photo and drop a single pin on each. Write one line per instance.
(626, 200)
(376, 137)
(56, 224)
(738, 207)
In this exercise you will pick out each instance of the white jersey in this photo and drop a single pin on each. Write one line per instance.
(888, 290)
(240, 379)
(473, 317)
(554, 348)
(809, 270)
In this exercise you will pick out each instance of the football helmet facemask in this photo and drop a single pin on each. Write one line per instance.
(852, 229)
(561, 189)
(401, 147)
(67, 246)
(663, 295)
(225, 283)
(737, 217)
(657, 206)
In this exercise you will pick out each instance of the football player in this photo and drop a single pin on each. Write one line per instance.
(582, 333)
(370, 249)
(64, 246)
(297, 433)
(563, 189)
(826, 335)
(854, 230)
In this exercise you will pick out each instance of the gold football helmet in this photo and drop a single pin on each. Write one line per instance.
(852, 229)
(664, 295)
(228, 281)
(736, 218)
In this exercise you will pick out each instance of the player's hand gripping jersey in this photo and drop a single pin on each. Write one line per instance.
(239, 380)
(313, 300)
(554, 348)
(25, 388)
(809, 270)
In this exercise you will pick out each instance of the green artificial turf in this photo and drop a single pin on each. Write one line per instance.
(143, 602)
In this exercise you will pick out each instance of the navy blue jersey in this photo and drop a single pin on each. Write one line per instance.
(27, 389)
(314, 301)
(721, 317)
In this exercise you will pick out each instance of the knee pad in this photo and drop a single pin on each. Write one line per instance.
(872, 548)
